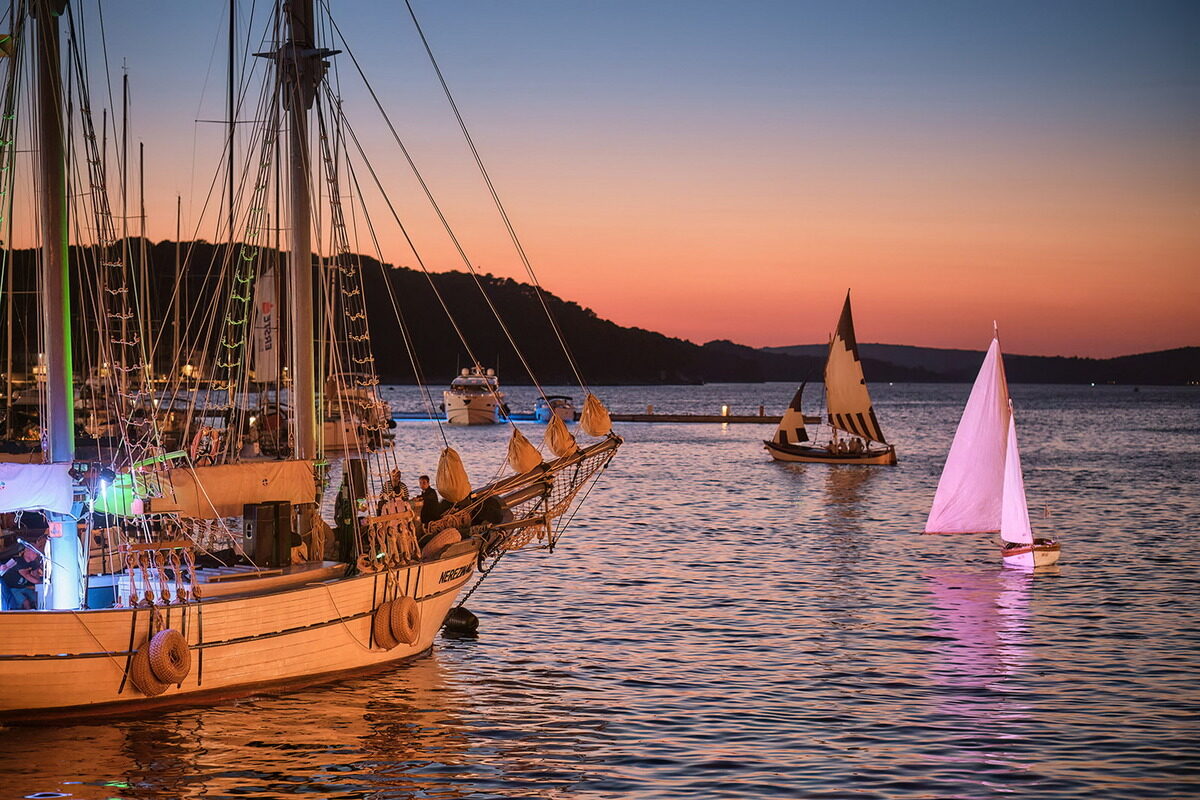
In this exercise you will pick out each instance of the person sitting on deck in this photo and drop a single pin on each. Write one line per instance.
(393, 488)
(19, 582)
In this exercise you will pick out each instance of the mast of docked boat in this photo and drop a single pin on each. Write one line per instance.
(59, 419)
(301, 68)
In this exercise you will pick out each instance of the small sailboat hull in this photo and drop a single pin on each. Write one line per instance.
(1042, 553)
(821, 455)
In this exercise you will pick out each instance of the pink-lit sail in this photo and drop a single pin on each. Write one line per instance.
(1014, 517)
(968, 498)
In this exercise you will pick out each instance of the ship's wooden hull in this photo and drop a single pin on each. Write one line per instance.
(77, 663)
(1042, 553)
(820, 455)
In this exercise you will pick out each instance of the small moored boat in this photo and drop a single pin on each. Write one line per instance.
(554, 405)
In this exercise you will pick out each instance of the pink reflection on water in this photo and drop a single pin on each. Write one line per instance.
(983, 619)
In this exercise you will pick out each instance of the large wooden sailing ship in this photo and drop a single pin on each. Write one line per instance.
(162, 615)
(848, 407)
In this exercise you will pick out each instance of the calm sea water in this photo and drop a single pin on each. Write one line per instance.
(718, 625)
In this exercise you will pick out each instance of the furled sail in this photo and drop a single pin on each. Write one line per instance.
(1014, 515)
(846, 394)
(522, 455)
(595, 420)
(210, 492)
(969, 491)
(266, 327)
(452, 481)
(791, 427)
(559, 439)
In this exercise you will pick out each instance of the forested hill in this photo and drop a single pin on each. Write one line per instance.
(606, 352)
(1165, 367)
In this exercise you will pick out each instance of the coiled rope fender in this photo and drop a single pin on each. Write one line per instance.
(381, 626)
(406, 620)
(143, 676)
(170, 658)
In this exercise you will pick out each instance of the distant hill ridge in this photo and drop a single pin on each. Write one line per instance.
(1166, 367)
(606, 353)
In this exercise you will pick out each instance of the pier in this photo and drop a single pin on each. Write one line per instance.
(649, 416)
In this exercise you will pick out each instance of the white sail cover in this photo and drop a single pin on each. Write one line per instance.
(452, 481)
(969, 492)
(522, 455)
(595, 420)
(1014, 516)
(791, 427)
(266, 327)
(35, 487)
(558, 439)
(846, 395)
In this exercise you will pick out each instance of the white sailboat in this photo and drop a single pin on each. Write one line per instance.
(981, 489)
(152, 626)
(848, 404)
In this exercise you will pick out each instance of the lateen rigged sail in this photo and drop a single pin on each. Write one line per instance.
(1014, 516)
(968, 498)
(791, 427)
(846, 395)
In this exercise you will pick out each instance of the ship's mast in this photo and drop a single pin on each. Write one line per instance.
(59, 419)
(301, 68)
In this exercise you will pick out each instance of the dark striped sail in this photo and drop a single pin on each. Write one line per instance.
(846, 395)
(791, 427)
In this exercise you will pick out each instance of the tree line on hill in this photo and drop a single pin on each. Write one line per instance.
(606, 353)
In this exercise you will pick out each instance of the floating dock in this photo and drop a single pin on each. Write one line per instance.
(759, 419)
(726, 418)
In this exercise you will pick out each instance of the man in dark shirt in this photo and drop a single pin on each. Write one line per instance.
(21, 579)
(431, 506)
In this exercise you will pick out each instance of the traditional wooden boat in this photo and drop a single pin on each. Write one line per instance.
(982, 489)
(155, 617)
(849, 410)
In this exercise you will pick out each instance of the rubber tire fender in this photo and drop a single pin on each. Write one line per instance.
(381, 626)
(440, 542)
(406, 620)
(170, 658)
(142, 676)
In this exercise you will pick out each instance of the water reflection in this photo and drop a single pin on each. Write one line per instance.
(845, 492)
(982, 618)
(401, 735)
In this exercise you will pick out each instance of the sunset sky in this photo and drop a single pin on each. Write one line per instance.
(727, 170)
